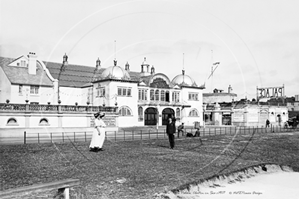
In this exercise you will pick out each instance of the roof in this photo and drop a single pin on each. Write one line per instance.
(20, 75)
(219, 94)
(72, 75)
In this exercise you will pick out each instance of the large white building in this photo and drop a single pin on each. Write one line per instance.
(142, 98)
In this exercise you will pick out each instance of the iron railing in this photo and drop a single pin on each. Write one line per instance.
(130, 135)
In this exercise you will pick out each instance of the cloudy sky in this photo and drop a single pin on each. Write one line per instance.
(255, 41)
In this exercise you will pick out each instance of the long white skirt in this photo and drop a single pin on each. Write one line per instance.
(98, 140)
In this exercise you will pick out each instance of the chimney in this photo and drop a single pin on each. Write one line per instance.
(32, 63)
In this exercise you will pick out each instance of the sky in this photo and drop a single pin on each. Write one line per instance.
(255, 41)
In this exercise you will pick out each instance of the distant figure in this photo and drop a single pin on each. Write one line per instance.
(189, 135)
(180, 129)
(267, 123)
(286, 125)
(197, 134)
(171, 130)
(98, 133)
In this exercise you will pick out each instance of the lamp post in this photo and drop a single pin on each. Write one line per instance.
(62, 68)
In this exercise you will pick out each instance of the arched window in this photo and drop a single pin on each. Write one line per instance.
(151, 94)
(178, 113)
(12, 122)
(167, 96)
(141, 113)
(162, 95)
(193, 113)
(124, 111)
(43, 122)
(157, 95)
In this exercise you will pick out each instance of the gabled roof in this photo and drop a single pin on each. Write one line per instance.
(72, 75)
(20, 75)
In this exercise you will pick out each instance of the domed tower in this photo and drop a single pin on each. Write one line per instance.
(183, 80)
(145, 68)
(115, 72)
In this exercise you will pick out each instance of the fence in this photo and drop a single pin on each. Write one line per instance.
(141, 134)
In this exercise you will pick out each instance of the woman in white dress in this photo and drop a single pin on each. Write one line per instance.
(98, 133)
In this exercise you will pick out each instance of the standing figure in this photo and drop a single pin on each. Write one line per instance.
(171, 129)
(267, 123)
(98, 133)
(180, 129)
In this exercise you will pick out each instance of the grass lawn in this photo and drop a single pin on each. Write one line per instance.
(139, 169)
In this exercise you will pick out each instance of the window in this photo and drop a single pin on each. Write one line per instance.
(193, 113)
(20, 89)
(119, 91)
(175, 96)
(124, 111)
(162, 95)
(34, 90)
(167, 96)
(44, 122)
(100, 92)
(178, 113)
(157, 95)
(12, 122)
(23, 63)
(193, 96)
(124, 91)
(152, 94)
(142, 94)
(141, 113)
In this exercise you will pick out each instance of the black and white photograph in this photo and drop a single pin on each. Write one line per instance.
(149, 99)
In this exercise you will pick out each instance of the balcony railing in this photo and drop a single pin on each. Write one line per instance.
(54, 108)
(159, 103)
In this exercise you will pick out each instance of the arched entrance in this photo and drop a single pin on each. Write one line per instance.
(150, 116)
(165, 115)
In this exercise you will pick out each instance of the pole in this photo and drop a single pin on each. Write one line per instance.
(24, 137)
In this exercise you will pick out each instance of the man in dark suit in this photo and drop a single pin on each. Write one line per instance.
(171, 129)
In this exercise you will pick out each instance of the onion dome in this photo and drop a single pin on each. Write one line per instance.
(183, 80)
(115, 72)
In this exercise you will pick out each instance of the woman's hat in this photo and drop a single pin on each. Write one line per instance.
(99, 114)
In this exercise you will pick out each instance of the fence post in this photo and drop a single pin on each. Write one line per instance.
(132, 135)
(124, 135)
(215, 131)
(51, 137)
(38, 138)
(24, 137)
(74, 136)
(115, 135)
(62, 133)
(85, 136)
